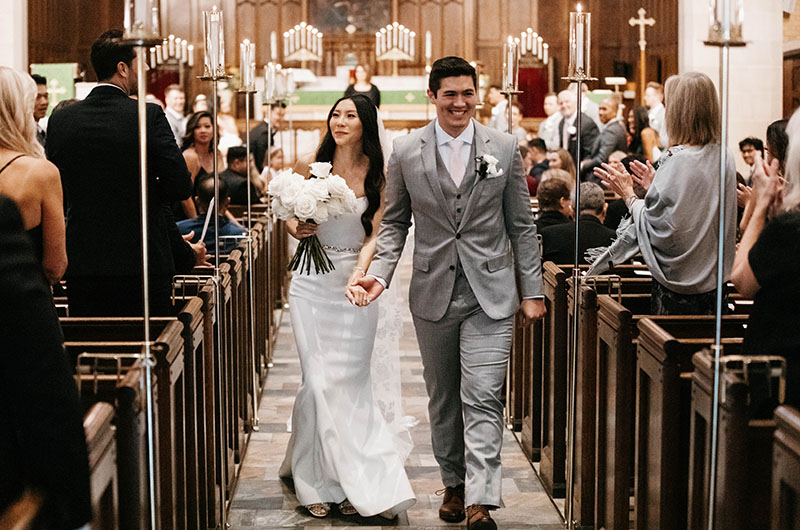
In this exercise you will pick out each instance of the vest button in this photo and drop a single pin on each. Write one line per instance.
(452, 267)
(458, 196)
(458, 236)
(458, 210)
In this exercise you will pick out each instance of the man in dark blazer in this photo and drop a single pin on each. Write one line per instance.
(262, 137)
(558, 242)
(42, 443)
(95, 144)
(568, 131)
(612, 138)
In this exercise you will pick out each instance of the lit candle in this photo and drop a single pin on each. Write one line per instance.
(273, 45)
(286, 43)
(244, 63)
(383, 40)
(319, 45)
(545, 53)
(395, 36)
(296, 38)
(159, 58)
(153, 62)
(171, 44)
(127, 21)
(719, 19)
(211, 41)
(428, 45)
(269, 82)
(191, 55)
(155, 19)
(377, 43)
(580, 42)
(539, 46)
(184, 50)
(412, 51)
(302, 34)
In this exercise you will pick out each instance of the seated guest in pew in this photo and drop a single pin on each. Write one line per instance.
(558, 241)
(95, 145)
(675, 225)
(554, 202)
(42, 442)
(27, 177)
(203, 195)
(561, 159)
(198, 152)
(537, 152)
(236, 177)
(767, 264)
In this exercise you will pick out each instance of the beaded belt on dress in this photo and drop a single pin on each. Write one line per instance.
(341, 249)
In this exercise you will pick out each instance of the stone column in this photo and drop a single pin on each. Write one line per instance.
(756, 74)
(14, 34)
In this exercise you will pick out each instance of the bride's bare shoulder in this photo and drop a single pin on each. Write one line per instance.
(302, 164)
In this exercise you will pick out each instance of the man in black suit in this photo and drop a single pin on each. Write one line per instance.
(567, 128)
(95, 144)
(42, 443)
(558, 242)
(236, 177)
(612, 138)
(262, 137)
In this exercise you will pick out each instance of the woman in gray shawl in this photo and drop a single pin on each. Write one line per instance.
(676, 225)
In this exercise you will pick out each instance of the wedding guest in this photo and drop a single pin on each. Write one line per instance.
(677, 238)
(27, 177)
(558, 240)
(516, 124)
(561, 159)
(767, 264)
(568, 131)
(654, 99)
(644, 139)
(612, 137)
(776, 148)
(95, 145)
(204, 193)
(548, 129)
(40, 109)
(555, 206)
(42, 442)
(499, 104)
(749, 147)
(362, 84)
(262, 136)
(236, 177)
(617, 210)
(276, 165)
(198, 152)
(537, 152)
(175, 99)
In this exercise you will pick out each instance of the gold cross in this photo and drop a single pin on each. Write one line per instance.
(642, 22)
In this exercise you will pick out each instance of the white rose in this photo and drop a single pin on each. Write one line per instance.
(317, 188)
(320, 169)
(280, 211)
(322, 213)
(335, 207)
(291, 192)
(337, 186)
(277, 184)
(305, 207)
(349, 200)
(489, 159)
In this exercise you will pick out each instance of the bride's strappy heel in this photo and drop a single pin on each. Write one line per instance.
(345, 508)
(319, 510)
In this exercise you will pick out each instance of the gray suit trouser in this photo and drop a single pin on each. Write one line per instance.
(464, 356)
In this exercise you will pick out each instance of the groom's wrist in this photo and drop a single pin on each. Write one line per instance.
(379, 280)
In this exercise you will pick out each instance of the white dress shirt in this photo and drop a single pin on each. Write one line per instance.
(443, 141)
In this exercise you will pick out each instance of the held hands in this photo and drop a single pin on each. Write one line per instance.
(371, 285)
(532, 310)
(354, 292)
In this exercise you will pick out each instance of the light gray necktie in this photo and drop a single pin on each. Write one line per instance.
(457, 167)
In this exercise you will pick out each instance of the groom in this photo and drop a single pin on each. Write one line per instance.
(475, 256)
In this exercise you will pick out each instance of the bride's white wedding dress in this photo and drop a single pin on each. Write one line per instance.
(341, 447)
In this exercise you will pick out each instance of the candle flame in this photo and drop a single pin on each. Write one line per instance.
(579, 7)
(510, 39)
(246, 42)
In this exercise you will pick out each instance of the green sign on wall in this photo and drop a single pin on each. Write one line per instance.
(60, 81)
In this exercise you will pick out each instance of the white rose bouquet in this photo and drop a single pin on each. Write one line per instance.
(313, 200)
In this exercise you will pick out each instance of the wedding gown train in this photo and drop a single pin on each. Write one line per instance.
(340, 447)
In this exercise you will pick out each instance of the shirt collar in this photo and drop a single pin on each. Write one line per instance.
(111, 84)
(466, 135)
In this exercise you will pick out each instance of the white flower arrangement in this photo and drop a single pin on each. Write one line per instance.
(487, 167)
(313, 200)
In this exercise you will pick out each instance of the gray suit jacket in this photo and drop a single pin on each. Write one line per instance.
(612, 138)
(495, 241)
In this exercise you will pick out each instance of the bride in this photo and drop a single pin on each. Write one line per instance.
(341, 449)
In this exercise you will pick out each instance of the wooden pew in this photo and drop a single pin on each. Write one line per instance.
(96, 337)
(586, 406)
(102, 449)
(663, 401)
(786, 470)
(750, 389)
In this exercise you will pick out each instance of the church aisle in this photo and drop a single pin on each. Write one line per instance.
(263, 501)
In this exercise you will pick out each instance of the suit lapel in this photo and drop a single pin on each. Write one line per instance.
(428, 156)
(483, 146)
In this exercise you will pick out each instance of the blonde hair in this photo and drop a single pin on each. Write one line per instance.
(791, 190)
(17, 100)
(692, 115)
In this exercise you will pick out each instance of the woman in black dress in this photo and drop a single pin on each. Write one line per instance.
(767, 265)
(363, 85)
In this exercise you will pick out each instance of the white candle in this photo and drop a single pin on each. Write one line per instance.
(171, 44)
(221, 40)
(412, 51)
(302, 35)
(286, 43)
(244, 63)
(184, 50)
(377, 43)
(269, 83)
(539, 47)
(428, 45)
(153, 62)
(545, 53)
(155, 19)
(159, 58)
(273, 45)
(383, 40)
(319, 39)
(127, 23)
(296, 38)
(579, 41)
(191, 55)
(395, 36)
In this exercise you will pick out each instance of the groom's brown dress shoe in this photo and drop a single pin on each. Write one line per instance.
(478, 518)
(452, 509)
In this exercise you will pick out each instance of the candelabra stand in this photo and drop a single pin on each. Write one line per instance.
(142, 45)
(721, 36)
(578, 78)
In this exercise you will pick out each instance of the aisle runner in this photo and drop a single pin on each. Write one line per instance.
(262, 501)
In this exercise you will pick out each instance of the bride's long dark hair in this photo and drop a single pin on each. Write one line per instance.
(370, 146)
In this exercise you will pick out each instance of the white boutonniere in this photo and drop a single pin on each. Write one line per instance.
(487, 167)
(572, 130)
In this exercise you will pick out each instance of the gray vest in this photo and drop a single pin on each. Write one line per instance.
(456, 200)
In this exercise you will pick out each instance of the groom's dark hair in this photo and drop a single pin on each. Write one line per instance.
(450, 67)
